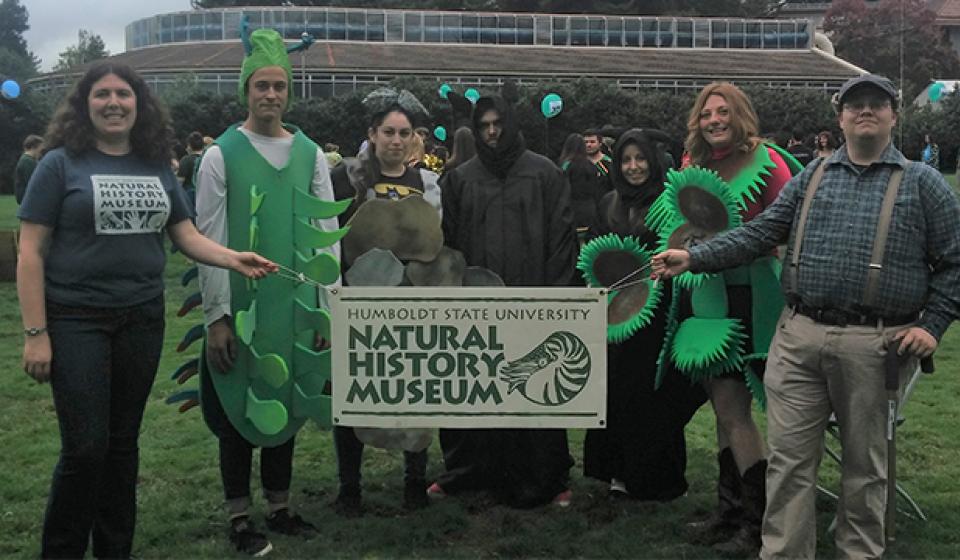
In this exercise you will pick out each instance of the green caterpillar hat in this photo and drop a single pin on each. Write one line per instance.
(266, 49)
(611, 260)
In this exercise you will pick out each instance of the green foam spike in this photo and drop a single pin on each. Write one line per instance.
(254, 235)
(270, 368)
(709, 299)
(305, 359)
(307, 319)
(756, 388)
(316, 406)
(269, 416)
(256, 199)
(322, 267)
(306, 205)
(670, 331)
(245, 323)
(748, 184)
(700, 345)
(590, 252)
(307, 236)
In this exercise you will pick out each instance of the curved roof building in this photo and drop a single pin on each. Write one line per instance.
(357, 47)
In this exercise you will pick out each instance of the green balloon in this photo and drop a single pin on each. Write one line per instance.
(935, 92)
(472, 94)
(551, 105)
(440, 133)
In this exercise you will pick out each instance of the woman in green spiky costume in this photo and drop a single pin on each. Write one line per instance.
(642, 451)
(726, 320)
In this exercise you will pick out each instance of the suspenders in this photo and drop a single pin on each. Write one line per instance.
(879, 242)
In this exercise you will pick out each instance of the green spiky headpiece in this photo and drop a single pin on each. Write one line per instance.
(609, 260)
(266, 49)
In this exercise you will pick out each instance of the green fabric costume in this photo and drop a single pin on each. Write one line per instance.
(277, 380)
(698, 204)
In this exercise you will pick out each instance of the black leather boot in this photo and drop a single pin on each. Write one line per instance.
(746, 542)
(724, 522)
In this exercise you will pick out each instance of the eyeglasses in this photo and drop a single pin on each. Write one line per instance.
(858, 105)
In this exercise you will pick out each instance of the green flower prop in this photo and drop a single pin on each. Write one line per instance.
(610, 260)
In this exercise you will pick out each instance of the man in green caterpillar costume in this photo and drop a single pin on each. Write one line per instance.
(261, 185)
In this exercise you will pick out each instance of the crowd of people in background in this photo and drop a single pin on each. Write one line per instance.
(84, 328)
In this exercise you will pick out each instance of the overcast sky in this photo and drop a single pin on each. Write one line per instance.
(54, 23)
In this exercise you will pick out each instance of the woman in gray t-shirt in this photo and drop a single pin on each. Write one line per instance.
(90, 284)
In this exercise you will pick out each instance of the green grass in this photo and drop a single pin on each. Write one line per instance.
(180, 496)
(8, 212)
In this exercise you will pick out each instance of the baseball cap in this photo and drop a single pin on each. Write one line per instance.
(867, 80)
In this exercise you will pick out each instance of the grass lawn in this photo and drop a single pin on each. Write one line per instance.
(180, 496)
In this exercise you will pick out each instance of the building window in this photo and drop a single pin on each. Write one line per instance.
(752, 37)
(375, 31)
(543, 31)
(735, 35)
(665, 36)
(684, 33)
(470, 30)
(336, 26)
(488, 30)
(615, 32)
(413, 27)
(524, 30)
(632, 32)
(394, 27)
(451, 28)
(180, 28)
(508, 30)
(432, 28)
(701, 34)
(356, 26)
(561, 33)
(771, 36)
(718, 34)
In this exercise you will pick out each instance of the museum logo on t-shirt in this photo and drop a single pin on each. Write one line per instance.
(129, 204)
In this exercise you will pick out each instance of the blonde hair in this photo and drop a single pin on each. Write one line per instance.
(744, 124)
(416, 151)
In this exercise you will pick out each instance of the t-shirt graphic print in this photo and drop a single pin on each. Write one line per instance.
(129, 204)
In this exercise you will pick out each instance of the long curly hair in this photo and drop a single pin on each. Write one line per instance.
(744, 123)
(151, 137)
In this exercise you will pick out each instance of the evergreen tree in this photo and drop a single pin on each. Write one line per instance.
(89, 47)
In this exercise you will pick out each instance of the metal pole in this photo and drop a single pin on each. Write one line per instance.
(303, 67)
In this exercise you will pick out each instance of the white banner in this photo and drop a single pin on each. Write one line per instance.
(469, 357)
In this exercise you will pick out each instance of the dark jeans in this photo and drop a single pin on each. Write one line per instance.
(236, 456)
(350, 452)
(104, 364)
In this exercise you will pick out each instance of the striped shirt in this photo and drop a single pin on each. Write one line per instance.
(921, 266)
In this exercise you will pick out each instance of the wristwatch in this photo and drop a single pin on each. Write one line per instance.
(34, 331)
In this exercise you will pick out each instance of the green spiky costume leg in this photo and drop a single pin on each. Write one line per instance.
(277, 381)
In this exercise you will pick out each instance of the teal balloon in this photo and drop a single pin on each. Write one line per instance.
(440, 133)
(444, 90)
(551, 105)
(472, 95)
(10, 89)
(935, 92)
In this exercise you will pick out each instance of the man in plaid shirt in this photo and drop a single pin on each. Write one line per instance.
(828, 353)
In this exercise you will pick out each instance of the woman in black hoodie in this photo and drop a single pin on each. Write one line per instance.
(642, 452)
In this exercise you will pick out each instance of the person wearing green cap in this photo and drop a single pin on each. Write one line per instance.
(260, 155)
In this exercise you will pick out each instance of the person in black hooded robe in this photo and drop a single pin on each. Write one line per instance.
(642, 452)
(508, 209)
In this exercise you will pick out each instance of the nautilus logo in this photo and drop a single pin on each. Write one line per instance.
(551, 374)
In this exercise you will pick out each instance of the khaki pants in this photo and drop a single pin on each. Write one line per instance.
(814, 370)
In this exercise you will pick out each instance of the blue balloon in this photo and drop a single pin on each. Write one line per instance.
(10, 89)
(472, 94)
(444, 90)
(551, 105)
(440, 133)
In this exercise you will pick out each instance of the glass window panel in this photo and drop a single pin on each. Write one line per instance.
(735, 35)
(701, 34)
(413, 27)
(665, 35)
(561, 34)
(394, 27)
(650, 30)
(597, 30)
(771, 36)
(375, 27)
(718, 34)
(180, 27)
(488, 30)
(751, 38)
(231, 24)
(451, 28)
(524, 30)
(631, 32)
(432, 28)
(356, 26)
(578, 31)
(684, 33)
(470, 29)
(274, 20)
(213, 26)
(255, 17)
(336, 26)
(194, 27)
(803, 29)
(615, 32)
(542, 30)
(508, 30)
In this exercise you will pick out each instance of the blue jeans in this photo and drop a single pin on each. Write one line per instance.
(104, 364)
